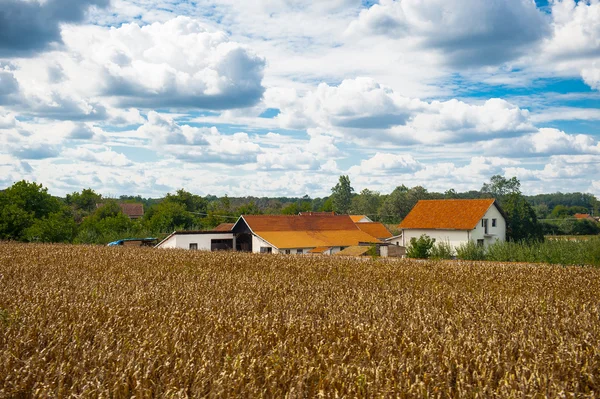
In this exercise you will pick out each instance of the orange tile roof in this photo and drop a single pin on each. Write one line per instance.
(299, 223)
(353, 251)
(582, 216)
(132, 210)
(313, 239)
(224, 227)
(357, 218)
(319, 250)
(376, 229)
(454, 214)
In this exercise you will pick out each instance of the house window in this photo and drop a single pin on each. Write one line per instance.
(484, 224)
(266, 250)
(299, 252)
(493, 222)
(480, 243)
(287, 251)
(194, 246)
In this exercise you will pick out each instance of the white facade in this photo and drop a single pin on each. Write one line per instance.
(496, 231)
(199, 241)
(396, 240)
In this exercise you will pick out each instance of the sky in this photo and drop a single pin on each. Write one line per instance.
(281, 97)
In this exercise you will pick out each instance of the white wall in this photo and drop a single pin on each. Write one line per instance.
(495, 234)
(453, 237)
(395, 241)
(258, 242)
(203, 240)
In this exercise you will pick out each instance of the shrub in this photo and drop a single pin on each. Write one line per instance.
(420, 248)
(470, 251)
(442, 250)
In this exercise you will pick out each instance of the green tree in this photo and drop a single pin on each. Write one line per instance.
(105, 224)
(341, 195)
(499, 186)
(21, 204)
(85, 201)
(522, 221)
(400, 202)
(56, 227)
(366, 203)
(169, 216)
(420, 248)
(191, 202)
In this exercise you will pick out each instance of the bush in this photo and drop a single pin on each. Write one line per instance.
(470, 251)
(420, 248)
(442, 250)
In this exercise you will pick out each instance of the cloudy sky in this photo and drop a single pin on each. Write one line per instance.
(280, 97)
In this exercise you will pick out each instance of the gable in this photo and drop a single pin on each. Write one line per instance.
(447, 214)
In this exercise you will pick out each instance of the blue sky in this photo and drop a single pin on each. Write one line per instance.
(280, 97)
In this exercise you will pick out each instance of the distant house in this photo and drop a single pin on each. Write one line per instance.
(360, 219)
(584, 216)
(376, 229)
(133, 211)
(455, 221)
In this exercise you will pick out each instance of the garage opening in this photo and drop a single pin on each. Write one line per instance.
(243, 242)
(221, 245)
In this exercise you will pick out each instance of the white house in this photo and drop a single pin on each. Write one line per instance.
(200, 240)
(455, 221)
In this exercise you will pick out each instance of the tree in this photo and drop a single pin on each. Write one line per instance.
(522, 223)
(56, 227)
(191, 202)
(341, 195)
(366, 203)
(499, 186)
(400, 202)
(106, 224)
(21, 204)
(169, 216)
(420, 248)
(85, 201)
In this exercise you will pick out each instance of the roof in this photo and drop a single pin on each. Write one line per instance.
(224, 227)
(319, 250)
(132, 210)
(449, 214)
(299, 223)
(376, 229)
(353, 251)
(358, 218)
(582, 216)
(307, 231)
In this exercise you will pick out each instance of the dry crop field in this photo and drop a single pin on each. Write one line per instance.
(118, 322)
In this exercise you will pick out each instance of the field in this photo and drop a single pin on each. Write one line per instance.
(116, 322)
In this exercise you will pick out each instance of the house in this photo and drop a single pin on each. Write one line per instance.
(298, 234)
(455, 221)
(224, 227)
(395, 240)
(376, 229)
(360, 219)
(199, 240)
(133, 211)
(584, 216)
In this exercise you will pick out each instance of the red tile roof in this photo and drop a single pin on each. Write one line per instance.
(358, 218)
(132, 210)
(299, 223)
(224, 227)
(450, 214)
(376, 229)
(582, 216)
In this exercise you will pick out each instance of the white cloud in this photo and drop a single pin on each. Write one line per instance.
(467, 32)
(386, 164)
(100, 155)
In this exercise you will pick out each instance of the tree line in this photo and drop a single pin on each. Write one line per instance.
(29, 213)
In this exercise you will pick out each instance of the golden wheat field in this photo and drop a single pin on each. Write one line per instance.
(121, 322)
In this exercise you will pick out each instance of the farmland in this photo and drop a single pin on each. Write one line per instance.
(115, 322)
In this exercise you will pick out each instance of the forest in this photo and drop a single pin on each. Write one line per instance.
(29, 213)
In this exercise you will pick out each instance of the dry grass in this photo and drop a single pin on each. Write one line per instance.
(118, 322)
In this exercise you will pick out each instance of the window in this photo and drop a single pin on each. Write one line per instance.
(299, 252)
(493, 222)
(266, 250)
(287, 251)
(484, 224)
(194, 246)
(480, 243)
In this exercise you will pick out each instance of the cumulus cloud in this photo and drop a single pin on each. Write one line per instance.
(467, 32)
(179, 63)
(100, 155)
(386, 164)
(29, 26)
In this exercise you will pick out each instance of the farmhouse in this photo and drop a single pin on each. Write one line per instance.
(323, 233)
(299, 234)
(456, 222)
